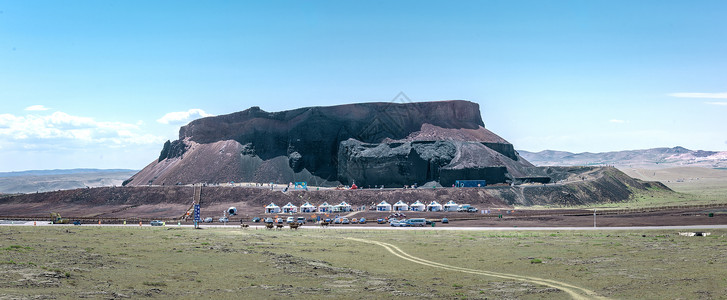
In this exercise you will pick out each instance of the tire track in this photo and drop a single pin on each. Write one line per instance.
(574, 291)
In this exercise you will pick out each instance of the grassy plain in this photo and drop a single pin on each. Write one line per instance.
(169, 262)
(691, 186)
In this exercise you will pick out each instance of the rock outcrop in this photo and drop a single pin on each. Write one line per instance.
(390, 144)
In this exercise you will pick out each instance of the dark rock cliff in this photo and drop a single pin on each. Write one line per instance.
(390, 144)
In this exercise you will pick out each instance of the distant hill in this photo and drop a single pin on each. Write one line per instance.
(61, 172)
(655, 158)
(53, 180)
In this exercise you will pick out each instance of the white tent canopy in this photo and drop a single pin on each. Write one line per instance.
(325, 207)
(434, 206)
(417, 206)
(307, 207)
(383, 206)
(451, 206)
(400, 206)
(290, 208)
(272, 208)
(343, 206)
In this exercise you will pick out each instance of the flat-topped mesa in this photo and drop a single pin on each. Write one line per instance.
(367, 122)
(325, 145)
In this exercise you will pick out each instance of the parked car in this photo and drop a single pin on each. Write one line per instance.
(156, 223)
(417, 222)
(381, 221)
(256, 220)
(268, 220)
(391, 220)
(76, 222)
(354, 221)
(402, 223)
(290, 220)
(327, 220)
(337, 221)
(224, 220)
(362, 221)
(345, 220)
(208, 220)
(429, 222)
(279, 220)
(301, 220)
(445, 220)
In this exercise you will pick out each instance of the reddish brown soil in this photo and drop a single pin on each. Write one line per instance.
(169, 203)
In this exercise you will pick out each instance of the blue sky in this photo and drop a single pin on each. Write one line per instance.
(103, 84)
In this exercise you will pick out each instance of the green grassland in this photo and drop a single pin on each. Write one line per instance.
(689, 186)
(170, 262)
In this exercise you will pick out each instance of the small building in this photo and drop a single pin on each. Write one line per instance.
(383, 206)
(272, 208)
(290, 208)
(307, 208)
(401, 206)
(417, 206)
(451, 206)
(325, 207)
(434, 206)
(342, 207)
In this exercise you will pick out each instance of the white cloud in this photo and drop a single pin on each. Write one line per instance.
(700, 95)
(60, 130)
(183, 116)
(36, 108)
(618, 121)
(717, 103)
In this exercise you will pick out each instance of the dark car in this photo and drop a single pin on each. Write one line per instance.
(256, 220)
(381, 221)
(445, 220)
(76, 222)
(362, 221)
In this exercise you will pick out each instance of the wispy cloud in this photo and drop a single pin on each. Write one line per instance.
(61, 130)
(180, 117)
(36, 108)
(717, 103)
(700, 95)
(618, 121)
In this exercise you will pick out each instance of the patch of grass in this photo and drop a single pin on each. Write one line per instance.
(308, 263)
(16, 248)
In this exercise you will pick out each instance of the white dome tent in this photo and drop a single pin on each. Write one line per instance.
(401, 206)
(290, 208)
(272, 208)
(325, 207)
(417, 206)
(451, 206)
(434, 206)
(383, 206)
(343, 206)
(307, 208)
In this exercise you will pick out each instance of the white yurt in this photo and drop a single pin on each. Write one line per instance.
(434, 206)
(383, 206)
(325, 207)
(272, 208)
(290, 208)
(451, 206)
(307, 208)
(401, 206)
(343, 206)
(417, 206)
